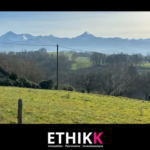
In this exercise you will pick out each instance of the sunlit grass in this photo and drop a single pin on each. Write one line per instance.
(146, 65)
(81, 62)
(64, 107)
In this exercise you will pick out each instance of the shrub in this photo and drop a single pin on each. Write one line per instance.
(35, 85)
(70, 88)
(50, 84)
(43, 85)
(18, 83)
(8, 82)
(82, 91)
(23, 79)
(13, 76)
(64, 88)
(47, 84)
(1, 83)
(22, 82)
(55, 87)
(30, 84)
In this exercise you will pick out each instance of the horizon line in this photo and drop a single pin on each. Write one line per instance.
(77, 36)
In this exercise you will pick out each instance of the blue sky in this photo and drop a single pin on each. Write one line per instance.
(70, 24)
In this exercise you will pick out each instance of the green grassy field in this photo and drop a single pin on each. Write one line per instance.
(146, 65)
(80, 61)
(64, 107)
(64, 53)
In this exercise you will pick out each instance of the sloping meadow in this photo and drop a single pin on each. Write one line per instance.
(65, 107)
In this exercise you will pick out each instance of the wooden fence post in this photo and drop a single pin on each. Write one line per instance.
(20, 111)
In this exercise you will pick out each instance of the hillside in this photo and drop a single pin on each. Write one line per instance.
(80, 61)
(56, 107)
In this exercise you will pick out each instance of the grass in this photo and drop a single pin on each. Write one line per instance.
(146, 65)
(69, 54)
(81, 62)
(64, 107)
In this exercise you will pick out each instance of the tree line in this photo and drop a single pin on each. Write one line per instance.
(115, 75)
(35, 66)
(135, 59)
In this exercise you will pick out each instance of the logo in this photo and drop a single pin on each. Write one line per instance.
(75, 139)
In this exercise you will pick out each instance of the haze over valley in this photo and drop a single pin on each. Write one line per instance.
(84, 42)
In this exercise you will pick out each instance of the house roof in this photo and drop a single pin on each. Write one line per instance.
(3, 71)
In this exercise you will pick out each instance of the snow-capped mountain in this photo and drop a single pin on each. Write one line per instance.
(84, 36)
(83, 42)
(11, 36)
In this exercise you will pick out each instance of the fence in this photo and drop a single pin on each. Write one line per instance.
(19, 117)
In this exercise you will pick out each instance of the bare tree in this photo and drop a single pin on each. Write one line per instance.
(144, 84)
(115, 78)
(128, 84)
(97, 58)
(87, 79)
(74, 56)
(30, 69)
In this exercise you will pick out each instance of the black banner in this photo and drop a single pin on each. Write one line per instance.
(62, 136)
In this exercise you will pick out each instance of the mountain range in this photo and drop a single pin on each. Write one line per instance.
(83, 42)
